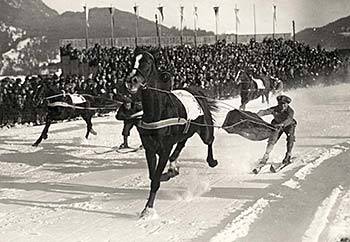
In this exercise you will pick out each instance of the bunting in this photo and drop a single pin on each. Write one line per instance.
(160, 8)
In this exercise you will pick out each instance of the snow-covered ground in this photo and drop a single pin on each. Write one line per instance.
(72, 189)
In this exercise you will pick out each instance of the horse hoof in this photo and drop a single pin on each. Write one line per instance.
(35, 145)
(213, 163)
(45, 136)
(169, 174)
(93, 132)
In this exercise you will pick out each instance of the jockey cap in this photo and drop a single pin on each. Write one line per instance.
(283, 99)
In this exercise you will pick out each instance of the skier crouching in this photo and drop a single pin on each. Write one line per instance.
(285, 123)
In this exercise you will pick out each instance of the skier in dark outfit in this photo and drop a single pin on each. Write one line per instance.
(284, 122)
(131, 105)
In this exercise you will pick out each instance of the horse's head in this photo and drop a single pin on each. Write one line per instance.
(238, 80)
(39, 94)
(144, 72)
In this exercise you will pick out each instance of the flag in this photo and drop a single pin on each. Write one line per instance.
(236, 13)
(111, 11)
(196, 12)
(274, 13)
(136, 10)
(161, 12)
(86, 10)
(216, 11)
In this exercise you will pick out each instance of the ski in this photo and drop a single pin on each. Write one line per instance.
(279, 167)
(258, 168)
(129, 150)
(105, 152)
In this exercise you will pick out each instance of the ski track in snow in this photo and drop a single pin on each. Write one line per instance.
(239, 227)
(320, 220)
(47, 191)
(307, 169)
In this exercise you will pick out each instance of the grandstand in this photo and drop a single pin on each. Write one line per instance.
(169, 40)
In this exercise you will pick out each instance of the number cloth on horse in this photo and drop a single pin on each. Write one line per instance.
(248, 125)
(77, 98)
(259, 83)
(190, 103)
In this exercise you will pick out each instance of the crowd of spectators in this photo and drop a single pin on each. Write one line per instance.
(210, 67)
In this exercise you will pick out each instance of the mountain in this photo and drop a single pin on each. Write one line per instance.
(30, 31)
(335, 35)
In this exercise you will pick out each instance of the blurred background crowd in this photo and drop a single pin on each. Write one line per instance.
(100, 71)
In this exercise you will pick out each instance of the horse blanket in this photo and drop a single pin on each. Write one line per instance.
(259, 83)
(248, 125)
(193, 109)
(76, 98)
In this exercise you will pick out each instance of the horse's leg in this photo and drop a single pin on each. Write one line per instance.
(155, 183)
(267, 97)
(173, 168)
(207, 136)
(43, 133)
(242, 107)
(262, 97)
(89, 128)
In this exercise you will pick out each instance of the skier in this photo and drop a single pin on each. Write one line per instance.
(285, 123)
(131, 105)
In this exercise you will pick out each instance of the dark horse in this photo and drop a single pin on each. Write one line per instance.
(249, 88)
(59, 106)
(158, 105)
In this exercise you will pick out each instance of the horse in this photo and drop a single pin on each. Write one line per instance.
(60, 106)
(252, 88)
(160, 105)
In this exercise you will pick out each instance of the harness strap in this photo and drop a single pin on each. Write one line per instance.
(163, 123)
(66, 105)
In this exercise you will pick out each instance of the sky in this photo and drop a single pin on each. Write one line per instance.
(305, 13)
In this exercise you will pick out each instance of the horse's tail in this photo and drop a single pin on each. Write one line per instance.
(102, 102)
(208, 105)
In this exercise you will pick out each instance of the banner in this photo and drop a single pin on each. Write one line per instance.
(86, 10)
(111, 11)
(136, 11)
(196, 12)
(236, 13)
(216, 11)
(182, 14)
(161, 12)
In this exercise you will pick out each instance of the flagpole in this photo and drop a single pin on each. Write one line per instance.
(236, 13)
(273, 22)
(181, 28)
(86, 26)
(137, 24)
(157, 30)
(195, 25)
(111, 11)
(254, 22)
(216, 11)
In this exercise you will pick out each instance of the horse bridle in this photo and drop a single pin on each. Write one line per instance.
(145, 77)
